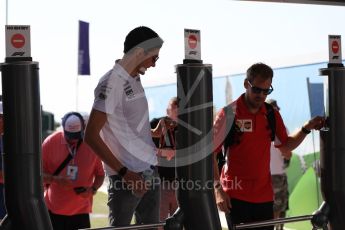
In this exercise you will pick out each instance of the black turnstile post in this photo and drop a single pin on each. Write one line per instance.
(22, 148)
(194, 160)
(332, 147)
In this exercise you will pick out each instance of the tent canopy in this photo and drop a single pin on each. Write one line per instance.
(318, 2)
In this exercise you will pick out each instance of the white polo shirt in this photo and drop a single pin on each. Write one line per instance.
(127, 131)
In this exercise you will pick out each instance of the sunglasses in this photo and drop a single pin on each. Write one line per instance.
(155, 58)
(258, 90)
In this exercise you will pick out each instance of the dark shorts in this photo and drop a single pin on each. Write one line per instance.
(281, 193)
(247, 212)
(75, 222)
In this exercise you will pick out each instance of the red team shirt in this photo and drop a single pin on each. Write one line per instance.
(246, 176)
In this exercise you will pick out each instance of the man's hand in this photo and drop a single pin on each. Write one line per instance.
(168, 123)
(315, 123)
(88, 193)
(136, 183)
(63, 181)
(222, 199)
(286, 154)
(167, 153)
(163, 126)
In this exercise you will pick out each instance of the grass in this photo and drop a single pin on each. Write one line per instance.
(99, 215)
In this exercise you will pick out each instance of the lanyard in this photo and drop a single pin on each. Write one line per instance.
(73, 149)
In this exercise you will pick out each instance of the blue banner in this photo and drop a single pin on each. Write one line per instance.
(83, 50)
(316, 99)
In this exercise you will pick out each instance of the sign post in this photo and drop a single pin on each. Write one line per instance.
(194, 143)
(334, 45)
(18, 43)
(22, 135)
(192, 45)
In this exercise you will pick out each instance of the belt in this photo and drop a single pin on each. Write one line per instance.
(152, 167)
(149, 173)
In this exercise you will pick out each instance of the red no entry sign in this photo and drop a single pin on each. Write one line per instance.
(192, 41)
(18, 41)
(335, 46)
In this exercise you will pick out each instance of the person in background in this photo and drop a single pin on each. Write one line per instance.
(244, 189)
(3, 211)
(72, 173)
(166, 168)
(119, 132)
(279, 178)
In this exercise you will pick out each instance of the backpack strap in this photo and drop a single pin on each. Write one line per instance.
(66, 161)
(271, 120)
(229, 122)
(63, 165)
(230, 131)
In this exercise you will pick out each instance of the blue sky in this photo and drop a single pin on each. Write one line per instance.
(234, 34)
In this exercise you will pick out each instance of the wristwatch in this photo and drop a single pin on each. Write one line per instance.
(306, 131)
(94, 189)
(122, 172)
(217, 185)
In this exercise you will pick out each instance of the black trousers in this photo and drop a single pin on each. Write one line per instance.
(75, 222)
(246, 212)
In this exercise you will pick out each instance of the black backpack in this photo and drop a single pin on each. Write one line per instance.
(230, 137)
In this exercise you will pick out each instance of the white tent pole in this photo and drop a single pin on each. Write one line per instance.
(6, 12)
(77, 94)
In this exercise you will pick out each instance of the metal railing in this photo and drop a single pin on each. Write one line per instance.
(318, 219)
(134, 226)
(272, 222)
(239, 226)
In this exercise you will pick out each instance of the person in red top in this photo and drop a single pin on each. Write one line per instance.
(3, 210)
(246, 178)
(69, 193)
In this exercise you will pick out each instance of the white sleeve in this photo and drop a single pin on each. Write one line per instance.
(108, 93)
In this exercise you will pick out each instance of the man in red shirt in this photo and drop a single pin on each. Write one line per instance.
(70, 192)
(244, 187)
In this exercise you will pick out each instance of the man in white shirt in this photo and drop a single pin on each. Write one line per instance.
(119, 132)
